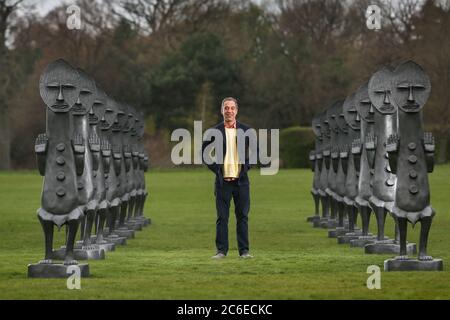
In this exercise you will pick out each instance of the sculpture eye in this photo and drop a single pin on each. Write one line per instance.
(379, 91)
(419, 86)
(53, 85)
(403, 86)
(68, 86)
(85, 91)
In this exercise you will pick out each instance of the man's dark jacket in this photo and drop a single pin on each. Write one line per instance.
(218, 168)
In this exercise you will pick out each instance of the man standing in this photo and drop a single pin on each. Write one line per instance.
(231, 182)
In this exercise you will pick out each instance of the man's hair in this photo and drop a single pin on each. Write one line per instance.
(229, 99)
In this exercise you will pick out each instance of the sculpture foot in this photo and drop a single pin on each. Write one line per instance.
(425, 258)
(70, 262)
(401, 258)
(46, 261)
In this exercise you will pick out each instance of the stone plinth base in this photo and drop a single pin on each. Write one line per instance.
(54, 270)
(413, 265)
(80, 254)
(389, 248)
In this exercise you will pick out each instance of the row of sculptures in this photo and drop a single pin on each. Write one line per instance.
(372, 156)
(93, 161)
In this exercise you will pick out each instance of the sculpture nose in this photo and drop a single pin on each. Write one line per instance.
(386, 98)
(78, 101)
(410, 96)
(357, 117)
(60, 95)
(371, 111)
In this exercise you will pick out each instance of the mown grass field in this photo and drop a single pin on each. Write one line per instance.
(171, 258)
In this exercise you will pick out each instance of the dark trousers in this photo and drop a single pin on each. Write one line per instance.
(241, 197)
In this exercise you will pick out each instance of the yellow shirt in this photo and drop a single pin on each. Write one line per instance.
(231, 166)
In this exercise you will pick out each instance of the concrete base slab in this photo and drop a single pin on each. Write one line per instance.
(55, 270)
(413, 265)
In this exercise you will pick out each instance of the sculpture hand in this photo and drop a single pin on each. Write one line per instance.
(40, 145)
(370, 142)
(392, 143)
(40, 148)
(312, 157)
(94, 142)
(78, 143)
(356, 146)
(78, 149)
(428, 142)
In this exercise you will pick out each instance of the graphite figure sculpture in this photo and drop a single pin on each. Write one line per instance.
(315, 158)
(411, 155)
(60, 159)
(366, 113)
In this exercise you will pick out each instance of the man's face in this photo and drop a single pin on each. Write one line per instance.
(229, 111)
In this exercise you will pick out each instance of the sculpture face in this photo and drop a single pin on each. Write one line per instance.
(325, 126)
(98, 108)
(411, 87)
(110, 114)
(331, 117)
(316, 124)
(350, 113)
(130, 120)
(340, 125)
(380, 85)
(59, 86)
(363, 105)
(87, 95)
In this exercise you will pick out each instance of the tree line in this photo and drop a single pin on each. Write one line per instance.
(284, 60)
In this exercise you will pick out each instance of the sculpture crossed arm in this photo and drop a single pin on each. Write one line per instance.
(312, 158)
(429, 147)
(356, 151)
(127, 157)
(106, 155)
(344, 157)
(117, 158)
(370, 145)
(335, 158)
(94, 146)
(392, 149)
(78, 150)
(40, 148)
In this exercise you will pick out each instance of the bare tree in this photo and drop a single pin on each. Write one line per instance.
(7, 9)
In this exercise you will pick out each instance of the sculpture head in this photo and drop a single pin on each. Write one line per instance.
(324, 125)
(109, 115)
(59, 86)
(136, 122)
(98, 108)
(411, 87)
(87, 95)
(121, 118)
(380, 94)
(130, 118)
(338, 123)
(363, 104)
(332, 114)
(316, 127)
(141, 126)
(350, 113)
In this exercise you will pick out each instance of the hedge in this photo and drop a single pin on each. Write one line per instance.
(295, 145)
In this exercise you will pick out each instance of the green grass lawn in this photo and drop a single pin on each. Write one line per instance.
(171, 258)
